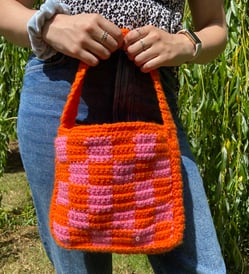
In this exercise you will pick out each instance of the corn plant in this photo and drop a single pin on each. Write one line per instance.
(215, 112)
(12, 61)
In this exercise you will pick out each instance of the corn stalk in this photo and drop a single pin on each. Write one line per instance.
(215, 112)
(12, 61)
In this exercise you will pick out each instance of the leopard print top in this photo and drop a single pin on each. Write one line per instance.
(165, 14)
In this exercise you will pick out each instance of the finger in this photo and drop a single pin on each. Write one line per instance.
(114, 38)
(145, 57)
(99, 50)
(133, 36)
(115, 34)
(139, 32)
(86, 57)
(99, 43)
(154, 63)
(107, 41)
(91, 50)
(104, 37)
(138, 48)
(143, 45)
(149, 66)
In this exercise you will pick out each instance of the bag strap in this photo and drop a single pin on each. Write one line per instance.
(70, 111)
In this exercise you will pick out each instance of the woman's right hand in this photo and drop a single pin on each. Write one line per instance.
(83, 36)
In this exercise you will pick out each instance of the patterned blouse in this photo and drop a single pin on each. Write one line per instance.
(165, 14)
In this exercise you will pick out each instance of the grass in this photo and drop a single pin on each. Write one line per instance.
(21, 252)
(20, 247)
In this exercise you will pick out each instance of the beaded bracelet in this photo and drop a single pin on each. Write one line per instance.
(35, 24)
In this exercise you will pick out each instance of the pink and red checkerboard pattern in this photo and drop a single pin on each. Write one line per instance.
(114, 191)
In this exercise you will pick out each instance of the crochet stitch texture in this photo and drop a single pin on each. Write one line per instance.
(118, 187)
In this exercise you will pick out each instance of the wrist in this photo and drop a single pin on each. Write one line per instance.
(53, 27)
(36, 24)
(195, 42)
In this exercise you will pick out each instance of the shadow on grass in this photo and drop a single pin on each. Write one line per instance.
(14, 241)
(14, 161)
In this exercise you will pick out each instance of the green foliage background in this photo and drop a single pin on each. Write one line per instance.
(12, 62)
(214, 104)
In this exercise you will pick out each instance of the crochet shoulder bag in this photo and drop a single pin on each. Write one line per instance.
(118, 187)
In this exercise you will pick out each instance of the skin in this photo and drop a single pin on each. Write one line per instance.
(79, 36)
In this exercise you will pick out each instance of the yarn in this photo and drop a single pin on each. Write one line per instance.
(118, 187)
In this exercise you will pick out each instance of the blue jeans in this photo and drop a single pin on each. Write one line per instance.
(45, 88)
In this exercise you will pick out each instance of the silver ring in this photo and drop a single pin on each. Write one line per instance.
(143, 45)
(139, 32)
(103, 37)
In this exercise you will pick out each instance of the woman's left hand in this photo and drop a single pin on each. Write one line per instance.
(150, 48)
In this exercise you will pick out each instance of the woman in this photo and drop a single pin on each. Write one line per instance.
(93, 35)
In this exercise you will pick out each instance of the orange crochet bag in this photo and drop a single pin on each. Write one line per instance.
(118, 187)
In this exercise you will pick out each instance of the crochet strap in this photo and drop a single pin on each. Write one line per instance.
(71, 108)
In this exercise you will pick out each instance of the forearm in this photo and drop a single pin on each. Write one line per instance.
(210, 26)
(13, 21)
(213, 40)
